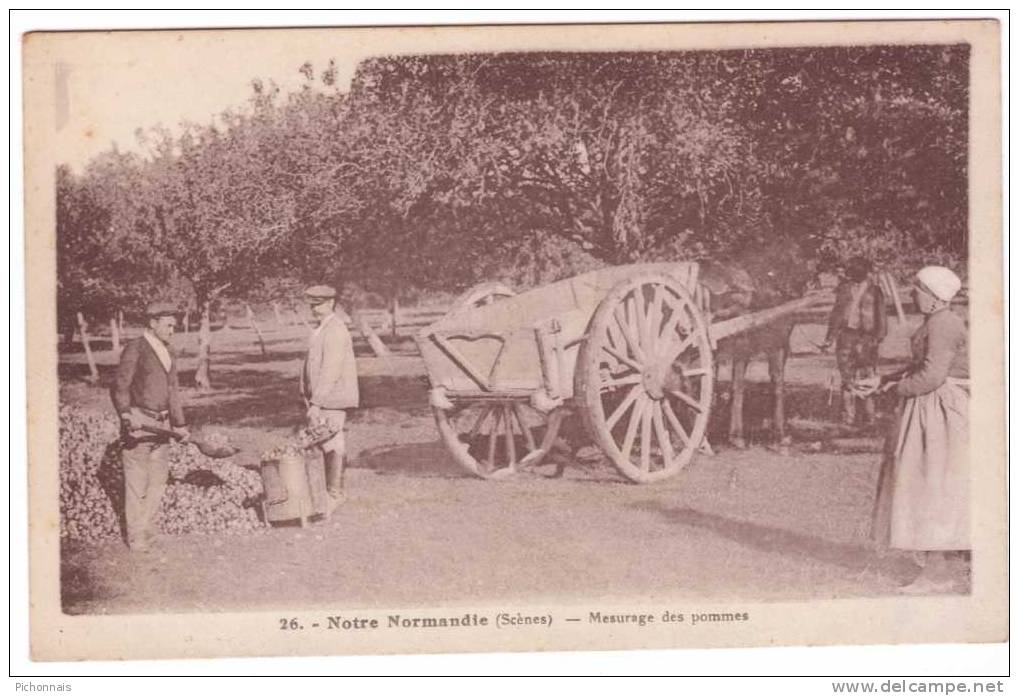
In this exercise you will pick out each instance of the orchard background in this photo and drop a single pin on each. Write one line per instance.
(427, 175)
(432, 173)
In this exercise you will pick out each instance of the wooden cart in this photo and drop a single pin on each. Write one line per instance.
(629, 347)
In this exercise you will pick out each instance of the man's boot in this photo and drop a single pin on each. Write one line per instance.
(334, 480)
(869, 411)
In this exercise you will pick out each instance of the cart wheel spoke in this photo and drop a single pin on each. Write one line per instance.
(482, 417)
(645, 437)
(628, 333)
(525, 429)
(611, 421)
(621, 381)
(634, 312)
(673, 353)
(663, 435)
(632, 427)
(636, 307)
(623, 358)
(654, 321)
(615, 336)
(493, 438)
(681, 316)
(511, 447)
(687, 399)
(674, 422)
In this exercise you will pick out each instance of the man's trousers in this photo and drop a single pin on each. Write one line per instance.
(146, 468)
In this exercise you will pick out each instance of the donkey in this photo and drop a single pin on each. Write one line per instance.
(762, 281)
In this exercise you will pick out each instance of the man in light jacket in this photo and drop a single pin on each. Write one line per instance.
(329, 382)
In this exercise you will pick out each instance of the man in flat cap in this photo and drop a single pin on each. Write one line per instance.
(329, 382)
(146, 393)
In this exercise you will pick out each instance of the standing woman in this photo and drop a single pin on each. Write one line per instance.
(923, 498)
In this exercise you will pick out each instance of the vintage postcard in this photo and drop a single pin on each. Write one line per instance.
(463, 339)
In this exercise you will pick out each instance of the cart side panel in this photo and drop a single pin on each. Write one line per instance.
(503, 362)
(526, 310)
(499, 340)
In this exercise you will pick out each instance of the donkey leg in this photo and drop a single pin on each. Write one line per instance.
(739, 383)
(776, 370)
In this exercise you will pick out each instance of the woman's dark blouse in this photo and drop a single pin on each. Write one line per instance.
(939, 352)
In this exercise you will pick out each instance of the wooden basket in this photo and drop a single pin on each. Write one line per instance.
(294, 488)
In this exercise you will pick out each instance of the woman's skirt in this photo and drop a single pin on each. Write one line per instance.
(923, 488)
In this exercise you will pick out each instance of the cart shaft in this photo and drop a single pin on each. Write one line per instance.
(747, 322)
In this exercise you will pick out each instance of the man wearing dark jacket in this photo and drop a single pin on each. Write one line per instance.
(858, 324)
(146, 393)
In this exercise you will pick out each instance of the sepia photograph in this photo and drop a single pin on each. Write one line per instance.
(459, 339)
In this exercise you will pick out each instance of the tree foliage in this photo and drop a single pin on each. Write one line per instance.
(436, 172)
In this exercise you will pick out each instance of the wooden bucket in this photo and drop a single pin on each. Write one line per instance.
(294, 487)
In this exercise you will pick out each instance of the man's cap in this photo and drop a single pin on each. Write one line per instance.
(155, 310)
(320, 292)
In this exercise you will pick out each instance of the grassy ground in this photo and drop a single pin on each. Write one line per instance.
(750, 524)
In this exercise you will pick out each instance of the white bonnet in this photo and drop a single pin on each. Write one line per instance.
(940, 281)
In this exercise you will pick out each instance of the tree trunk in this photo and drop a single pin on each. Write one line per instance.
(204, 345)
(276, 311)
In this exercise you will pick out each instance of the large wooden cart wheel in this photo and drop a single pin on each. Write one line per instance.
(494, 439)
(645, 376)
(481, 295)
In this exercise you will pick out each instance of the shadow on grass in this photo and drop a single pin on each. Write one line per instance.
(802, 403)
(79, 372)
(255, 358)
(422, 460)
(265, 398)
(896, 566)
(79, 586)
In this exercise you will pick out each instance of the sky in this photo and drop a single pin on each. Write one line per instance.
(106, 86)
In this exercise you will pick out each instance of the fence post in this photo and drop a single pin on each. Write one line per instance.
(377, 346)
(254, 325)
(892, 288)
(394, 311)
(92, 369)
(115, 334)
